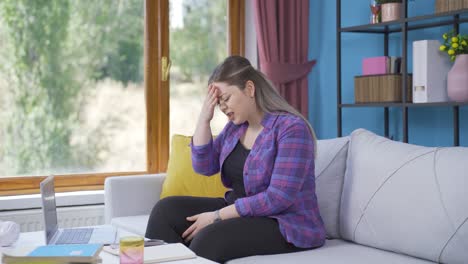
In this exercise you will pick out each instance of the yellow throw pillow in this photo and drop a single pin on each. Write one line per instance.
(182, 180)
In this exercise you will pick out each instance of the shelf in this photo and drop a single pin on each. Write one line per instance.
(441, 104)
(414, 23)
(386, 27)
(404, 25)
(371, 105)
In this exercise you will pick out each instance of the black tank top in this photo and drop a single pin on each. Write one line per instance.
(233, 170)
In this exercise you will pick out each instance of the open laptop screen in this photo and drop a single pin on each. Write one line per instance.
(49, 207)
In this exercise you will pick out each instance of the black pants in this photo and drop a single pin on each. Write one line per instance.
(220, 241)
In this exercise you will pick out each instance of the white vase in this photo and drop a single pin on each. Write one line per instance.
(457, 79)
(391, 11)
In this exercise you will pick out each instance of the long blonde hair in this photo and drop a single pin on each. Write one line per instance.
(237, 70)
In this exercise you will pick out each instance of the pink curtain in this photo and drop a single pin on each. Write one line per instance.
(282, 28)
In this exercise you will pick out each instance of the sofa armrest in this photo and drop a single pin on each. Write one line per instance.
(131, 195)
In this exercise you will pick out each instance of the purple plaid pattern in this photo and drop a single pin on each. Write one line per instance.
(278, 175)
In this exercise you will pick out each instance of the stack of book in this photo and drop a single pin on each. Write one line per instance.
(54, 254)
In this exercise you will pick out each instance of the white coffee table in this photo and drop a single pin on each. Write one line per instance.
(30, 240)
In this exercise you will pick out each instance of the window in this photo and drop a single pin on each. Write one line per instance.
(198, 42)
(79, 84)
(71, 79)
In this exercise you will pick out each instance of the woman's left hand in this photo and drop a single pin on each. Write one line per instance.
(200, 221)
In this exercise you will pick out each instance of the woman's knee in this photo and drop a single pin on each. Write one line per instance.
(211, 244)
(160, 217)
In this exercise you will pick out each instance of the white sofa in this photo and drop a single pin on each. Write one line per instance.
(382, 202)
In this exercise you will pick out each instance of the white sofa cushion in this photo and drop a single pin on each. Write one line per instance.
(330, 166)
(135, 224)
(406, 198)
(131, 195)
(334, 252)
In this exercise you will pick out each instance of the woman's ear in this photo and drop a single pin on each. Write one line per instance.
(250, 89)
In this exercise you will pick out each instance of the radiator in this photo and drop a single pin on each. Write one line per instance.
(33, 220)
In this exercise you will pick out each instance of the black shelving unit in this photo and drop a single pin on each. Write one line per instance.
(402, 25)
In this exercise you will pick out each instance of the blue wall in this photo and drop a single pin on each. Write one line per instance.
(427, 126)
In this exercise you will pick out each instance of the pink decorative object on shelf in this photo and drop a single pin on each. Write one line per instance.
(375, 65)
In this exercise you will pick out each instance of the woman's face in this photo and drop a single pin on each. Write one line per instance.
(237, 104)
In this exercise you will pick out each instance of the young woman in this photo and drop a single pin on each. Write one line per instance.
(266, 157)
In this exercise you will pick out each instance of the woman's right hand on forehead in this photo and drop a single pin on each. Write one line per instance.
(210, 103)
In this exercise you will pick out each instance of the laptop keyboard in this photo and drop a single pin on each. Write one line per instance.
(75, 236)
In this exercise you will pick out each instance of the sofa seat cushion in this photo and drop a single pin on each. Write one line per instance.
(334, 251)
(135, 224)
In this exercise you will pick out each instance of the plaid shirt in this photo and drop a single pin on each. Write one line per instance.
(279, 175)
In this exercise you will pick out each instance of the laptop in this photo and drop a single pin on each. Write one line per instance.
(99, 235)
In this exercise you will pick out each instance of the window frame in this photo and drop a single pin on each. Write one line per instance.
(156, 46)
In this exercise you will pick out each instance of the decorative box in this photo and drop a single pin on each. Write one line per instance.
(450, 5)
(383, 88)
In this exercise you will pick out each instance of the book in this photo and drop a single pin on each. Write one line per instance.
(11, 259)
(395, 65)
(168, 252)
(76, 253)
(72, 250)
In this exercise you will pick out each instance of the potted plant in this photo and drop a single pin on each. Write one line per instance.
(391, 9)
(456, 46)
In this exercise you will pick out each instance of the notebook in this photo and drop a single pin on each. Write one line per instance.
(58, 254)
(168, 252)
(77, 250)
(54, 235)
